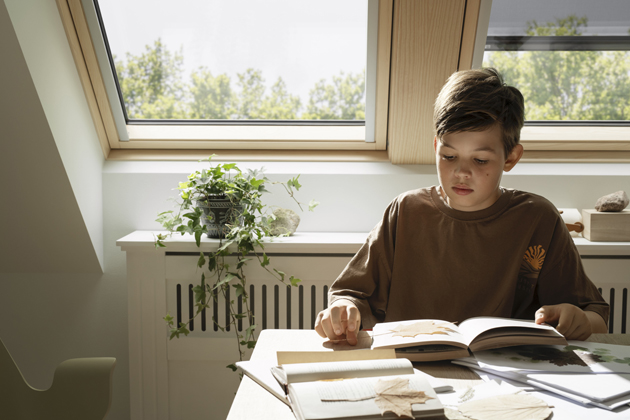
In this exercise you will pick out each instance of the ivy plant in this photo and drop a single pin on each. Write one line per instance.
(246, 224)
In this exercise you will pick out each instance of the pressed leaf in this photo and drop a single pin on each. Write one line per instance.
(509, 406)
(394, 395)
(421, 327)
(452, 414)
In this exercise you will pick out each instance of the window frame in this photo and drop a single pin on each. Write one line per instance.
(406, 36)
(116, 134)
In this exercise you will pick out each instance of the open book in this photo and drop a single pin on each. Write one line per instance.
(430, 339)
(358, 389)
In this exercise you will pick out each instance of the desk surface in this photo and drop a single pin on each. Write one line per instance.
(251, 398)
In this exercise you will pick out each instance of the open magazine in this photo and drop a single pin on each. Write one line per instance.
(432, 339)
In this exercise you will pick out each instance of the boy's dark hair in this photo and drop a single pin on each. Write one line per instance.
(475, 100)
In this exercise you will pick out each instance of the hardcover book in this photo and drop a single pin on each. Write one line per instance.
(430, 339)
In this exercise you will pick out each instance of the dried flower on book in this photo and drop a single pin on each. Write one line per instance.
(395, 395)
(421, 327)
(508, 406)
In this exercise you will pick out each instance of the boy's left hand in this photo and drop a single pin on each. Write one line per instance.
(569, 320)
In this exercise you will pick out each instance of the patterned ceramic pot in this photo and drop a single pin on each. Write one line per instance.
(217, 213)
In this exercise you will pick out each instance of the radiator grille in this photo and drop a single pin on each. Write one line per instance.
(617, 298)
(274, 306)
(278, 306)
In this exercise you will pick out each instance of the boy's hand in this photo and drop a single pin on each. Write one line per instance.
(569, 320)
(339, 321)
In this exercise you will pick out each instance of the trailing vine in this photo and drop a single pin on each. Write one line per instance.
(241, 233)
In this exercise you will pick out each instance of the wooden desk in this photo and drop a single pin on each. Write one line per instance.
(252, 401)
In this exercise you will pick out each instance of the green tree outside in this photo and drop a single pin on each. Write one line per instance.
(567, 85)
(153, 88)
(341, 100)
(151, 83)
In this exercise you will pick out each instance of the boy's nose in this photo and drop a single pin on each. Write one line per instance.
(463, 171)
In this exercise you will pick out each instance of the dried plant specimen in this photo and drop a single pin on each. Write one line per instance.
(422, 327)
(509, 406)
(452, 414)
(394, 395)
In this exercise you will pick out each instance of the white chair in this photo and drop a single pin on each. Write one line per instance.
(81, 390)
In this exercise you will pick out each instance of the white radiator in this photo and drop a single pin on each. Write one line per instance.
(277, 306)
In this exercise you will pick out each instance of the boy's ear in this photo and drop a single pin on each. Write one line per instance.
(513, 158)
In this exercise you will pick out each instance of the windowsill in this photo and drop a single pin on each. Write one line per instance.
(319, 243)
(330, 167)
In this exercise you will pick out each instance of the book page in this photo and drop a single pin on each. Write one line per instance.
(359, 395)
(473, 327)
(305, 372)
(416, 332)
(260, 372)
(289, 357)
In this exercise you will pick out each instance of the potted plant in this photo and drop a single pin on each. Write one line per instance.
(225, 203)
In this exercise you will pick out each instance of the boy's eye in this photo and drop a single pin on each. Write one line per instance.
(481, 161)
(446, 157)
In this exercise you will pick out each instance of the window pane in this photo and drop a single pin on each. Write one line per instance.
(570, 59)
(239, 59)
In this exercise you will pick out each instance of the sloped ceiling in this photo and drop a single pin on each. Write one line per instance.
(41, 226)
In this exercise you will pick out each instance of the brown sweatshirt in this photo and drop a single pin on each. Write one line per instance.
(427, 260)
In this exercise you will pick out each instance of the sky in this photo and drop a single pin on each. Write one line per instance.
(301, 41)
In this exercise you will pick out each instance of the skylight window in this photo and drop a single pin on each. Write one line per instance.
(238, 61)
(570, 59)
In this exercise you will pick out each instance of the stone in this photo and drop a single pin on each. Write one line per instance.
(612, 202)
(286, 222)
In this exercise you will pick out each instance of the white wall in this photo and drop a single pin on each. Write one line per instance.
(52, 316)
(54, 74)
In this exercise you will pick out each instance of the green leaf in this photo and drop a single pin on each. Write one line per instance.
(232, 366)
(249, 332)
(202, 260)
(280, 273)
(224, 280)
(169, 319)
(312, 204)
(198, 234)
(200, 294)
(240, 291)
(294, 281)
(256, 182)
(183, 329)
(294, 183)
(251, 344)
(265, 261)
(242, 262)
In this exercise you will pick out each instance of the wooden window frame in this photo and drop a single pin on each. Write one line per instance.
(420, 43)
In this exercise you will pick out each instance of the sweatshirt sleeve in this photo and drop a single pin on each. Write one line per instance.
(365, 280)
(563, 280)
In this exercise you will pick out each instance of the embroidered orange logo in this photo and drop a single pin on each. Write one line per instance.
(535, 256)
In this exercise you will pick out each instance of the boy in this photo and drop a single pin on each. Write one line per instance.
(468, 247)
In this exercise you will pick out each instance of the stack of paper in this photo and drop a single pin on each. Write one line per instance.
(587, 373)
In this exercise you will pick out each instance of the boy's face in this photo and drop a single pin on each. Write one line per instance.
(470, 165)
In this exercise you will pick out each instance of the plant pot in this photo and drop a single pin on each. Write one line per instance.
(218, 213)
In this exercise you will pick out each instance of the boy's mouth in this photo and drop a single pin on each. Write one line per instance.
(462, 190)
